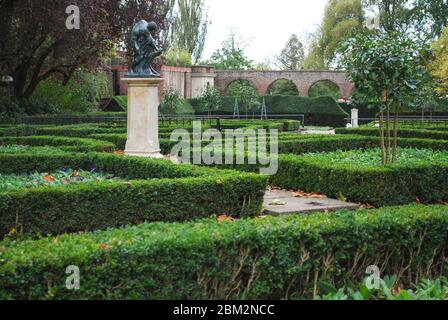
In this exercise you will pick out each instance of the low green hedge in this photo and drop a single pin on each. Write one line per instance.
(379, 186)
(156, 190)
(402, 133)
(68, 144)
(271, 258)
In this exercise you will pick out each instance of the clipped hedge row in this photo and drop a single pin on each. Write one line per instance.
(323, 111)
(403, 133)
(271, 258)
(169, 193)
(379, 186)
(68, 144)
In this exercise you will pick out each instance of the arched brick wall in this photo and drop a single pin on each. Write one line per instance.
(302, 79)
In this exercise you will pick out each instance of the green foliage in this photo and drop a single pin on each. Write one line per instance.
(211, 99)
(439, 66)
(283, 87)
(378, 186)
(387, 69)
(80, 95)
(154, 190)
(60, 178)
(190, 27)
(9, 109)
(389, 290)
(178, 57)
(325, 88)
(291, 57)
(269, 258)
(63, 143)
(231, 56)
(246, 94)
(404, 133)
(171, 101)
(342, 19)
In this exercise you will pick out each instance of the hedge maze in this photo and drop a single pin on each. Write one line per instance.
(178, 231)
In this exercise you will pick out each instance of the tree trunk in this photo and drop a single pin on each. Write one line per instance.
(383, 146)
(394, 151)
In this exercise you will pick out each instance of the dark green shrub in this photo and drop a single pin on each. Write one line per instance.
(270, 258)
(157, 190)
(70, 144)
(402, 133)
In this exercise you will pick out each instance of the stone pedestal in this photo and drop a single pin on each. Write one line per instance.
(143, 117)
(355, 118)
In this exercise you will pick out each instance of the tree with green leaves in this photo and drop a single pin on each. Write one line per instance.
(291, 57)
(171, 101)
(432, 14)
(210, 99)
(246, 95)
(232, 55)
(439, 66)
(190, 27)
(342, 19)
(395, 15)
(178, 57)
(387, 69)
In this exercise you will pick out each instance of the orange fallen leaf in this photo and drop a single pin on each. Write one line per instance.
(225, 218)
(49, 178)
(104, 246)
(119, 152)
(302, 194)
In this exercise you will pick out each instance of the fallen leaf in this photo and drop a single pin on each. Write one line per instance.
(273, 189)
(277, 202)
(303, 194)
(49, 178)
(104, 246)
(225, 218)
(119, 152)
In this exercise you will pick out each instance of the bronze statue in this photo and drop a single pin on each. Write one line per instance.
(144, 50)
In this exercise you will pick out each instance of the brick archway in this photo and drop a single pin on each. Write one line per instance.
(302, 79)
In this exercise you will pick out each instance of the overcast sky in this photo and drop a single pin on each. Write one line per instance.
(265, 24)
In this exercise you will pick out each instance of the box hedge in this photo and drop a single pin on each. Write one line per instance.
(267, 258)
(402, 133)
(155, 190)
(378, 186)
(68, 144)
(318, 111)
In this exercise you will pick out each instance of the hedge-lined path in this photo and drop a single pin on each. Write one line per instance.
(280, 202)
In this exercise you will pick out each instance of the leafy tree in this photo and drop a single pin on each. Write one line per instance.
(211, 99)
(246, 94)
(190, 27)
(395, 15)
(36, 44)
(387, 69)
(439, 67)
(171, 101)
(342, 18)
(232, 55)
(291, 57)
(178, 57)
(432, 13)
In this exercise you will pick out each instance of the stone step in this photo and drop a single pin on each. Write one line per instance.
(288, 204)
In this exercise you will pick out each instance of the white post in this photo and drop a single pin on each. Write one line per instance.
(355, 118)
(143, 117)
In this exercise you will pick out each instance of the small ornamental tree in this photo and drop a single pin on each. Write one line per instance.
(171, 101)
(387, 69)
(247, 96)
(210, 99)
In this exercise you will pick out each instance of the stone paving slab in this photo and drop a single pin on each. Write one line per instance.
(301, 205)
